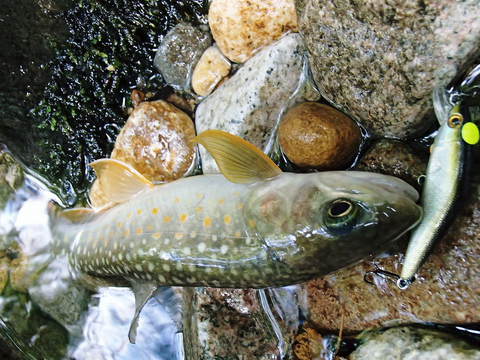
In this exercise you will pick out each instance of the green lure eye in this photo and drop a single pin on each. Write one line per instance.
(341, 215)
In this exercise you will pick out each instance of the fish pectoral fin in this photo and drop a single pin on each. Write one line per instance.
(143, 292)
(238, 160)
(119, 181)
(77, 215)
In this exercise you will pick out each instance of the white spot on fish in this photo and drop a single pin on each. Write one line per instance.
(128, 257)
(201, 247)
(214, 238)
(138, 267)
(132, 244)
(148, 276)
(187, 251)
(166, 241)
(166, 267)
(162, 279)
(178, 266)
(224, 249)
(151, 267)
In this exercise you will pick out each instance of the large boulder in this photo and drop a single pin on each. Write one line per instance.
(379, 61)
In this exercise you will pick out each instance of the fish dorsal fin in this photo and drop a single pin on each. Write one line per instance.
(119, 181)
(143, 292)
(77, 215)
(238, 160)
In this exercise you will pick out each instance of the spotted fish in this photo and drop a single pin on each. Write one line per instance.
(250, 227)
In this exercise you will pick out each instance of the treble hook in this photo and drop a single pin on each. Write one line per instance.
(384, 274)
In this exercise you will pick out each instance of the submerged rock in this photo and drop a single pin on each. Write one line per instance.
(379, 61)
(210, 70)
(413, 344)
(11, 176)
(251, 102)
(314, 135)
(179, 52)
(395, 158)
(157, 140)
(223, 322)
(241, 27)
(447, 289)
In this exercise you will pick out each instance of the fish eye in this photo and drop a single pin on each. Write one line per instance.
(340, 208)
(340, 215)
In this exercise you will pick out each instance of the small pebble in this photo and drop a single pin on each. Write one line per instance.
(314, 135)
(212, 67)
(241, 27)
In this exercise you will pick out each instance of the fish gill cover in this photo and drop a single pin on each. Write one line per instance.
(109, 50)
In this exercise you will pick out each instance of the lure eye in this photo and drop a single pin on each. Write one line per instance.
(455, 120)
(340, 215)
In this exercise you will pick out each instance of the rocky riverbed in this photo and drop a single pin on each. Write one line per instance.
(316, 86)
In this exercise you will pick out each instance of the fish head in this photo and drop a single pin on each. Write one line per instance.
(318, 223)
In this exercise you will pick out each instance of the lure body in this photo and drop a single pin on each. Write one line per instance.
(440, 192)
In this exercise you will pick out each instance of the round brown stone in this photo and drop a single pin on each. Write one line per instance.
(318, 136)
(157, 140)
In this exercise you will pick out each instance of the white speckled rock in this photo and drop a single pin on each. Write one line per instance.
(212, 67)
(251, 102)
(241, 27)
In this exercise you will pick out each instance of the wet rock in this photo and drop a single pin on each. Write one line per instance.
(250, 103)
(157, 141)
(179, 52)
(395, 158)
(222, 322)
(240, 27)
(314, 135)
(11, 176)
(379, 61)
(210, 70)
(447, 289)
(413, 343)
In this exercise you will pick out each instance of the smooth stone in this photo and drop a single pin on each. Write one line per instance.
(251, 102)
(379, 61)
(179, 52)
(212, 67)
(412, 343)
(447, 289)
(241, 28)
(157, 140)
(393, 157)
(314, 135)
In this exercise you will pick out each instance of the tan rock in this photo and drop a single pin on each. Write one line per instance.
(157, 141)
(241, 27)
(447, 289)
(314, 135)
(212, 67)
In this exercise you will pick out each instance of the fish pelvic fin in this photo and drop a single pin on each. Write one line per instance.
(119, 181)
(238, 160)
(143, 292)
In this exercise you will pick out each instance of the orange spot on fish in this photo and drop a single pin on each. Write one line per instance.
(240, 205)
(178, 236)
(167, 219)
(227, 219)
(139, 231)
(199, 209)
(149, 227)
(155, 211)
(139, 211)
(207, 222)
(157, 235)
(238, 234)
(126, 233)
(221, 201)
(177, 200)
(183, 218)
